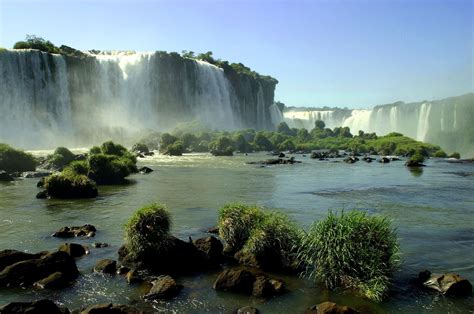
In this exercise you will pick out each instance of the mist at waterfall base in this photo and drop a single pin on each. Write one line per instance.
(49, 100)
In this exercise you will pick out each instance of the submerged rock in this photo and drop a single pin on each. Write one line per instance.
(27, 272)
(351, 159)
(9, 257)
(109, 308)
(164, 287)
(5, 177)
(248, 282)
(99, 245)
(76, 231)
(247, 310)
(330, 308)
(35, 174)
(145, 170)
(35, 307)
(54, 281)
(448, 284)
(278, 161)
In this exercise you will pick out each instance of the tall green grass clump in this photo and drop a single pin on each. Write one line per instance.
(14, 160)
(351, 250)
(147, 231)
(69, 184)
(60, 158)
(235, 223)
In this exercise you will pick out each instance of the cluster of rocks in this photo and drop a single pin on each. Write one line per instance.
(8, 177)
(276, 161)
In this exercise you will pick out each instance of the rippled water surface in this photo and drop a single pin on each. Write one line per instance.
(432, 210)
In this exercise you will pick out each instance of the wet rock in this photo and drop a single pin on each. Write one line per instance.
(106, 266)
(9, 257)
(123, 270)
(384, 160)
(414, 163)
(133, 277)
(35, 307)
(330, 308)
(278, 161)
(149, 154)
(35, 174)
(40, 183)
(211, 247)
(248, 282)
(109, 308)
(213, 230)
(447, 284)
(42, 195)
(351, 159)
(164, 287)
(281, 155)
(27, 272)
(73, 249)
(99, 245)
(368, 159)
(145, 170)
(54, 281)
(5, 177)
(247, 310)
(76, 231)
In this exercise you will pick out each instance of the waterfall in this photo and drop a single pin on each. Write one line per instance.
(423, 122)
(359, 120)
(34, 98)
(48, 100)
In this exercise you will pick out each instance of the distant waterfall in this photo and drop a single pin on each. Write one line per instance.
(49, 100)
(423, 123)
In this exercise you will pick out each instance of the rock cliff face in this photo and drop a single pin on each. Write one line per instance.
(81, 98)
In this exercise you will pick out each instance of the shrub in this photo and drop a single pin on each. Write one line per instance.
(95, 150)
(273, 241)
(223, 146)
(351, 250)
(175, 149)
(417, 157)
(140, 148)
(110, 148)
(60, 158)
(455, 155)
(235, 223)
(13, 160)
(147, 230)
(69, 184)
(440, 154)
(109, 169)
(34, 42)
(79, 167)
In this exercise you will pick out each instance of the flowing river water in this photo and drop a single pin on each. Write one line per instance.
(432, 211)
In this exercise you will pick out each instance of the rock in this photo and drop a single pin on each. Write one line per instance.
(164, 287)
(330, 308)
(281, 155)
(109, 308)
(384, 160)
(133, 277)
(278, 161)
(211, 247)
(9, 257)
(106, 266)
(149, 154)
(35, 307)
(351, 159)
(413, 163)
(42, 195)
(76, 231)
(35, 174)
(145, 170)
(5, 177)
(54, 281)
(448, 284)
(265, 288)
(180, 257)
(247, 310)
(27, 272)
(368, 159)
(40, 183)
(123, 270)
(213, 230)
(99, 245)
(74, 249)
(248, 282)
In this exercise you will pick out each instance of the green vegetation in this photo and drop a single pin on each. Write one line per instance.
(288, 139)
(455, 155)
(34, 42)
(147, 231)
(13, 160)
(69, 184)
(140, 148)
(60, 158)
(351, 250)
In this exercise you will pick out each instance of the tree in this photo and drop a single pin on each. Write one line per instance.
(283, 128)
(35, 42)
(319, 124)
(262, 143)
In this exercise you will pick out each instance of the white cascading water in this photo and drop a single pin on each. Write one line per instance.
(30, 77)
(423, 121)
(359, 120)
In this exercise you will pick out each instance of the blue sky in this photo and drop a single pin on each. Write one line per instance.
(355, 53)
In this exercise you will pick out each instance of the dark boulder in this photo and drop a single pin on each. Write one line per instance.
(164, 287)
(27, 272)
(5, 177)
(34, 307)
(109, 308)
(56, 280)
(351, 159)
(247, 310)
(133, 276)
(448, 284)
(123, 270)
(99, 245)
(42, 195)
(76, 231)
(145, 170)
(248, 282)
(281, 155)
(9, 257)
(414, 163)
(211, 247)
(278, 161)
(330, 308)
(384, 160)
(106, 266)
(74, 249)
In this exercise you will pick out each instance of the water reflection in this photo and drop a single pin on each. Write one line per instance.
(416, 171)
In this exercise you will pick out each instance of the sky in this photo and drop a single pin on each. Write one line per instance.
(352, 54)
